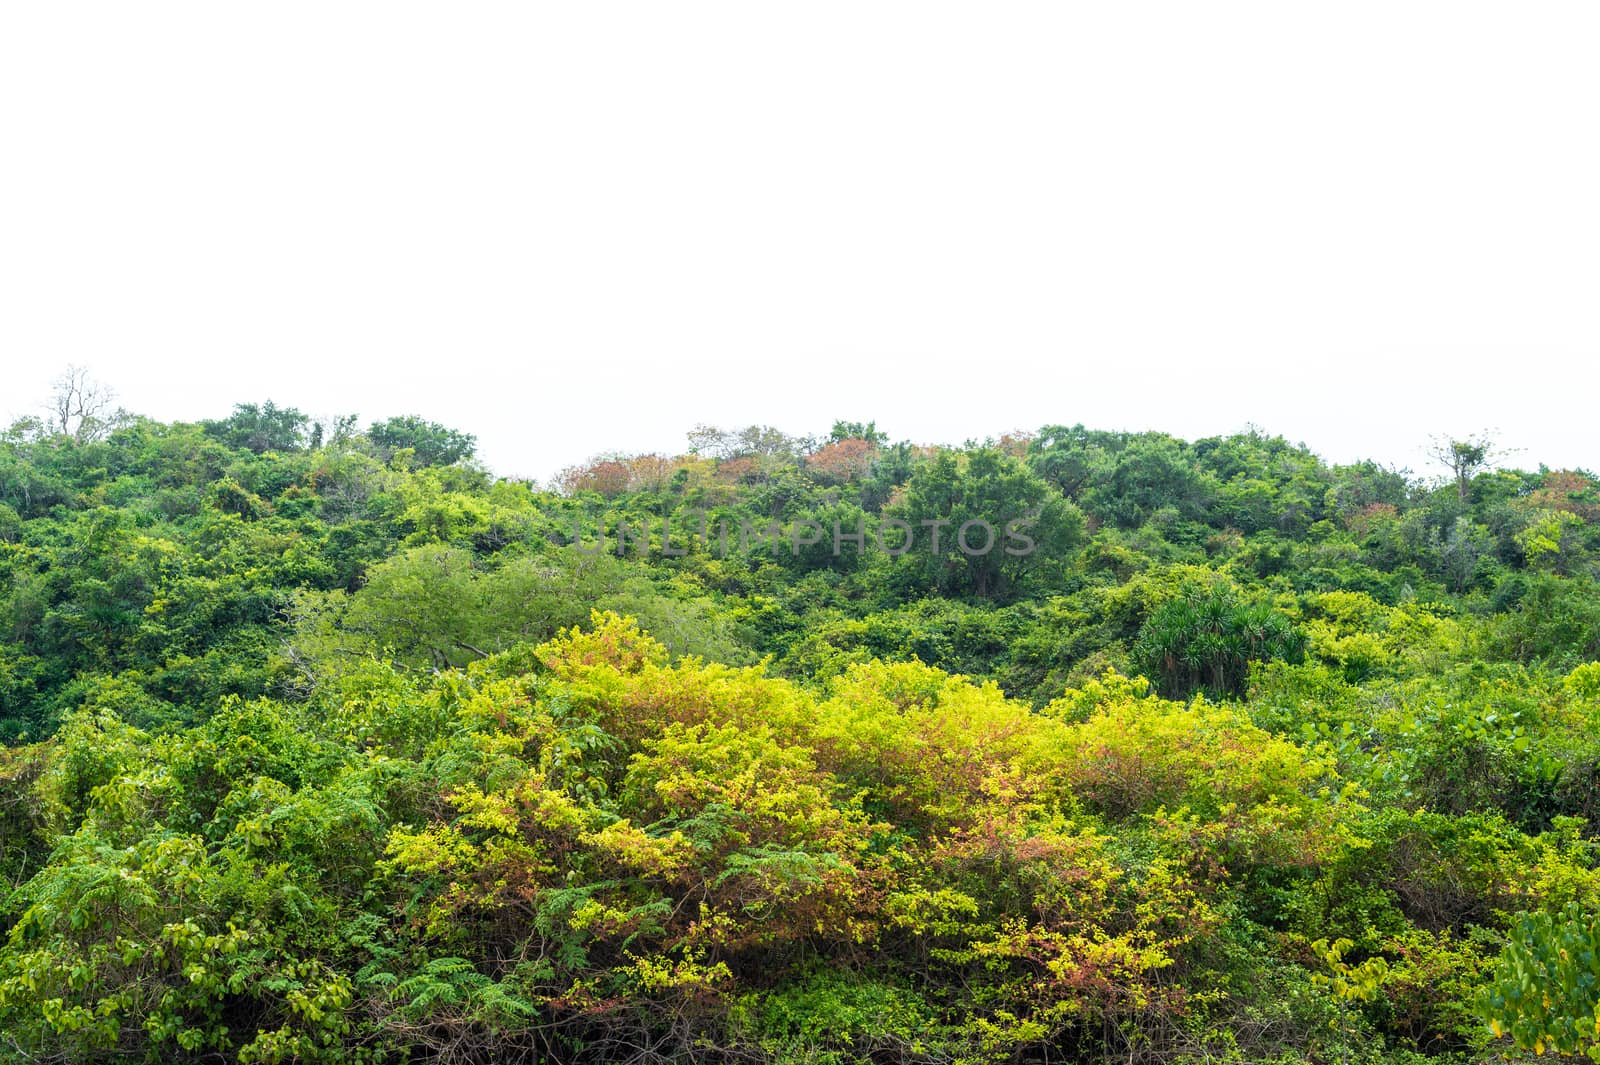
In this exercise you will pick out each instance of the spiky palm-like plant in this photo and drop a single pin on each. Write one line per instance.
(1208, 642)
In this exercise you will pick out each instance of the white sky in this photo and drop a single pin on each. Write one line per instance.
(576, 227)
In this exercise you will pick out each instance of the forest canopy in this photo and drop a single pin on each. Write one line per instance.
(323, 743)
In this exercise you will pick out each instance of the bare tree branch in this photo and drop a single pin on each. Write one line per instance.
(80, 406)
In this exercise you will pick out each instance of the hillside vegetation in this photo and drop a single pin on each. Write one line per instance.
(324, 744)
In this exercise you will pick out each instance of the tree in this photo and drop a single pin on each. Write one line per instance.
(80, 407)
(1123, 478)
(432, 444)
(842, 461)
(1571, 491)
(770, 447)
(608, 477)
(984, 524)
(261, 428)
(1068, 458)
(867, 431)
(1363, 485)
(1465, 458)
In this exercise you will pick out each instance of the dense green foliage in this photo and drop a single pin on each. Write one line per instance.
(325, 745)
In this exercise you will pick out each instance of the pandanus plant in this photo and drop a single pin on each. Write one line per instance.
(1207, 641)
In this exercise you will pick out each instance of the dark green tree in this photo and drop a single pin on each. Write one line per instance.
(432, 444)
(260, 428)
(983, 524)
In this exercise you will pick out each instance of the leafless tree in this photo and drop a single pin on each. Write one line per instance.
(80, 406)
